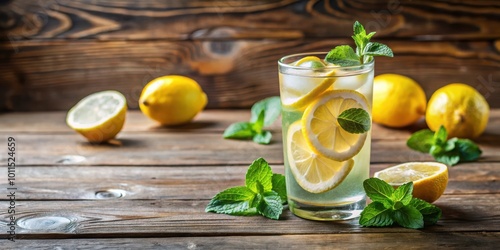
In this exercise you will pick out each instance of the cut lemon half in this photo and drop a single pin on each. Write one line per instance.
(300, 90)
(429, 178)
(99, 117)
(313, 172)
(322, 130)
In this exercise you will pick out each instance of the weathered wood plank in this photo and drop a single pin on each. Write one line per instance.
(140, 218)
(209, 121)
(419, 240)
(283, 19)
(190, 148)
(141, 149)
(54, 75)
(103, 182)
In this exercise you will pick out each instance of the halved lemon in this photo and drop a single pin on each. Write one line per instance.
(302, 90)
(322, 130)
(429, 178)
(315, 173)
(99, 117)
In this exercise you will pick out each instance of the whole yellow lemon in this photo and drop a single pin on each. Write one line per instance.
(460, 108)
(398, 101)
(172, 99)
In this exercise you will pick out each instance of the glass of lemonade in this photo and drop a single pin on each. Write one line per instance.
(325, 162)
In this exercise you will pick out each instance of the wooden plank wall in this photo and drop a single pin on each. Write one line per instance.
(54, 52)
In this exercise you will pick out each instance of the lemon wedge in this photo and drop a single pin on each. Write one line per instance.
(315, 173)
(322, 130)
(99, 117)
(302, 90)
(429, 178)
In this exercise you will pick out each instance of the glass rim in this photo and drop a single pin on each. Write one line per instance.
(281, 62)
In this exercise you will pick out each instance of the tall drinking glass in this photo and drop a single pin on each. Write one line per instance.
(326, 162)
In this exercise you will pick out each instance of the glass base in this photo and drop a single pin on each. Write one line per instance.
(327, 213)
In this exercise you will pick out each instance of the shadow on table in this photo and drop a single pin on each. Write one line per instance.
(195, 125)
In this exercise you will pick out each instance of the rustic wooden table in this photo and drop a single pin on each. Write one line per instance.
(149, 190)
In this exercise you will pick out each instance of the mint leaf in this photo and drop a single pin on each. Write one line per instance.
(403, 193)
(376, 215)
(365, 50)
(342, 55)
(259, 123)
(450, 144)
(440, 136)
(390, 206)
(409, 217)
(359, 38)
(436, 150)
(271, 107)
(355, 120)
(421, 140)
(449, 158)
(279, 187)
(263, 137)
(449, 152)
(264, 193)
(263, 113)
(271, 206)
(239, 130)
(231, 201)
(468, 150)
(377, 49)
(369, 36)
(430, 212)
(359, 29)
(259, 172)
(378, 190)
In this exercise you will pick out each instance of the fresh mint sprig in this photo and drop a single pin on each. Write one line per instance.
(264, 193)
(448, 151)
(391, 206)
(355, 120)
(263, 114)
(344, 55)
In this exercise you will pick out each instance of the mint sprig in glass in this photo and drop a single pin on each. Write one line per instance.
(344, 55)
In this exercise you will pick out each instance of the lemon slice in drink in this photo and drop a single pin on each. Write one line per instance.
(429, 178)
(315, 173)
(310, 62)
(99, 117)
(322, 130)
(301, 89)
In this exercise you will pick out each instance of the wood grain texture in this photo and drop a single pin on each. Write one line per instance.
(159, 192)
(420, 240)
(234, 19)
(208, 121)
(188, 148)
(53, 183)
(171, 217)
(143, 149)
(54, 75)
(143, 143)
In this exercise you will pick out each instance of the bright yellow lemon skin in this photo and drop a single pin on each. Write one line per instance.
(172, 100)
(398, 101)
(460, 108)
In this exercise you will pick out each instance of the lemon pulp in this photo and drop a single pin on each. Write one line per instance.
(98, 117)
